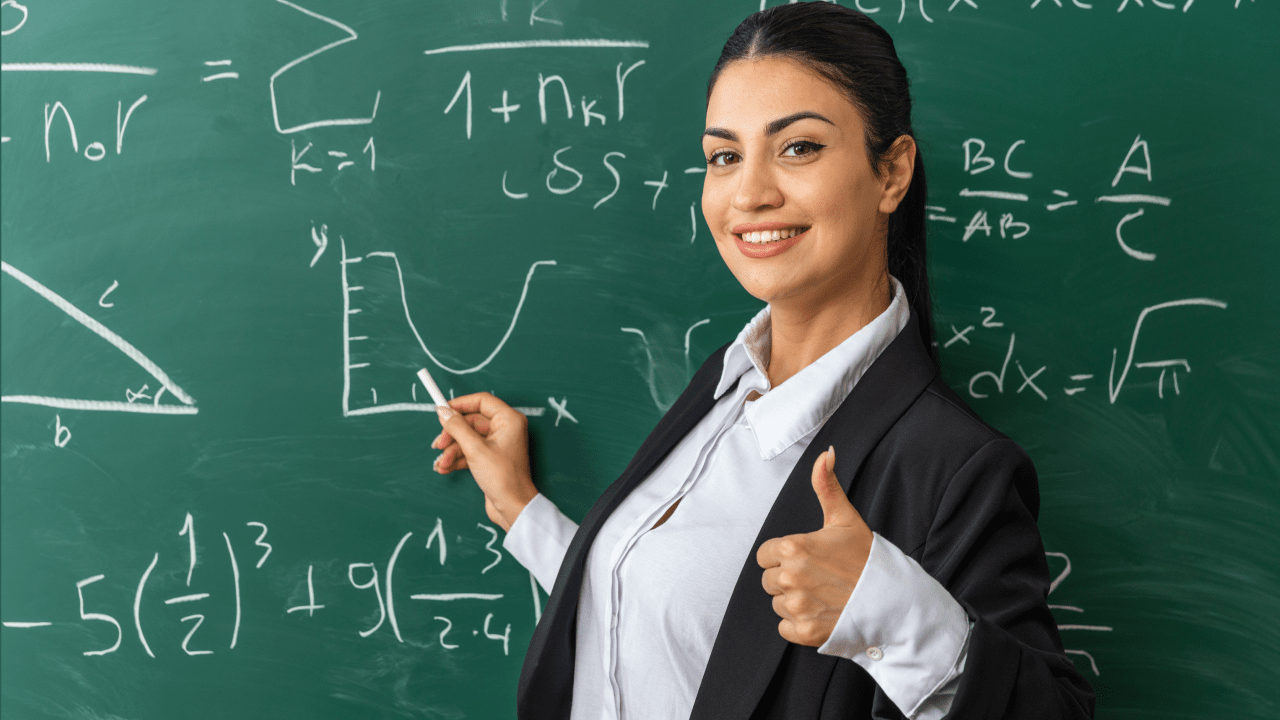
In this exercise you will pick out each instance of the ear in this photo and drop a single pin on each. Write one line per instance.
(899, 166)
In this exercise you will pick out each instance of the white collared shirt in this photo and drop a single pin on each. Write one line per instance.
(652, 599)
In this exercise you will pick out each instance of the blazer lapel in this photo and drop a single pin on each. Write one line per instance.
(748, 647)
(546, 679)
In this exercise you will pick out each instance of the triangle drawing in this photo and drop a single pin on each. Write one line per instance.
(166, 384)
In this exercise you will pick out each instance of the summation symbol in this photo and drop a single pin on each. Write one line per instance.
(275, 110)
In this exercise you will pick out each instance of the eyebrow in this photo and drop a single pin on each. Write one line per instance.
(772, 128)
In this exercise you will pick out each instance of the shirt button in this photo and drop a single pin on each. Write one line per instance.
(874, 653)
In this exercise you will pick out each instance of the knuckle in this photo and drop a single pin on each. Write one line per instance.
(786, 578)
(795, 605)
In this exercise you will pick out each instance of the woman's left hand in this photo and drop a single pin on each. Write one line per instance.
(812, 575)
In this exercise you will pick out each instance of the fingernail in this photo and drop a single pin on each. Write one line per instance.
(444, 412)
(831, 459)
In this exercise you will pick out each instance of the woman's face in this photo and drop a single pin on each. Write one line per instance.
(786, 156)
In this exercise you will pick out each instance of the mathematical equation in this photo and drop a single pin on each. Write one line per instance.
(378, 587)
(966, 6)
(1136, 162)
(988, 382)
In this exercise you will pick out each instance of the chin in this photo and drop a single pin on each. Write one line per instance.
(765, 289)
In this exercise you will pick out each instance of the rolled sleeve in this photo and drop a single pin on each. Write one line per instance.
(539, 538)
(904, 628)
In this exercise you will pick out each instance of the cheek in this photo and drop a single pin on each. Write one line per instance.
(714, 206)
(846, 202)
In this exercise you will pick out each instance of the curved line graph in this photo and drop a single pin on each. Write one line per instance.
(120, 344)
(348, 311)
(351, 35)
(514, 316)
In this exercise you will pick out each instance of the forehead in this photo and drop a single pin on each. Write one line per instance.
(749, 93)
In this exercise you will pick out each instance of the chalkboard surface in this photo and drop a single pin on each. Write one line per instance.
(232, 232)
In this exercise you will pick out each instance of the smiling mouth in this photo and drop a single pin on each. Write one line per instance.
(769, 236)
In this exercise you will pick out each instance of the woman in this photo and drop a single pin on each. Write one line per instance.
(819, 527)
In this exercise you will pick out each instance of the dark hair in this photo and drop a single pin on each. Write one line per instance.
(849, 49)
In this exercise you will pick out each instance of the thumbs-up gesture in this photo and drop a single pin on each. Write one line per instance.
(812, 575)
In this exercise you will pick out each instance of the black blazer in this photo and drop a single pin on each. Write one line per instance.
(928, 475)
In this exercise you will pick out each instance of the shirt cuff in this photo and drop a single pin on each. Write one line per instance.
(539, 539)
(937, 705)
(903, 627)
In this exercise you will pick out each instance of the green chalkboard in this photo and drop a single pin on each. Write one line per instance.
(232, 232)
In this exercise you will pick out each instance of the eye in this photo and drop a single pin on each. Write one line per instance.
(722, 157)
(803, 148)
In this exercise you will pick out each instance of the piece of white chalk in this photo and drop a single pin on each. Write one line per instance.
(442, 405)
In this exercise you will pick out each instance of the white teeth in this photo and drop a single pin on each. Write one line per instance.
(766, 236)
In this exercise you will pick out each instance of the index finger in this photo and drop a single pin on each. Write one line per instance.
(484, 403)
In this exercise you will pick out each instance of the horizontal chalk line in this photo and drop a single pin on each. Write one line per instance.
(77, 67)
(427, 407)
(519, 44)
(73, 404)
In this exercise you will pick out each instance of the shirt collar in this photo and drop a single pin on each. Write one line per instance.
(798, 407)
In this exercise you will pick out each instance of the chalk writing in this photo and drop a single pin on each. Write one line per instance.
(378, 582)
(1057, 581)
(987, 382)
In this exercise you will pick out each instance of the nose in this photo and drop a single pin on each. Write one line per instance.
(757, 187)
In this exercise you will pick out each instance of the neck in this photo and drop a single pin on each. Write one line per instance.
(803, 330)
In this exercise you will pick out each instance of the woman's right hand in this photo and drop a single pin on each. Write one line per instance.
(491, 439)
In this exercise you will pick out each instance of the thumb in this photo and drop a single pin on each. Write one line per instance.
(836, 508)
(468, 439)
